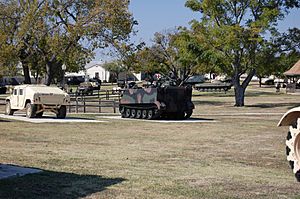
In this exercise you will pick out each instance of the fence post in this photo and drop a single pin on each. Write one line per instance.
(114, 104)
(84, 108)
(99, 105)
(76, 104)
(70, 106)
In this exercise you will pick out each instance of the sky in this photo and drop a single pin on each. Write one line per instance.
(160, 15)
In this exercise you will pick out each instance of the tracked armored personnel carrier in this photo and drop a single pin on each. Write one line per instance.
(292, 119)
(36, 99)
(166, 101)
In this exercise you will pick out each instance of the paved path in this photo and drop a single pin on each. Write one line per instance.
(238, 114)
(191, 120)
(48, 119)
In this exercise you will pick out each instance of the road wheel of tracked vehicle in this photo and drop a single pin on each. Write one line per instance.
(150, 114)
(188, 114)
(293, 149)
(156, 114)
(138, 114)
(133, 113)
(30, 110)
(62, 112)
(144, 114)
(8, 110)
(122, 110)
(127, 112)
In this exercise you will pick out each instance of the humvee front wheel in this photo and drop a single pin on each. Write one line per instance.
(8, 110)
(293, 149)
(30, 110)
(62, 112)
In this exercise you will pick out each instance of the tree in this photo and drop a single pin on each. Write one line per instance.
(126, 54)
(64, 31)
(278, 54)
(150, 61)
(234, 30)
(173, 52)
(115, 68)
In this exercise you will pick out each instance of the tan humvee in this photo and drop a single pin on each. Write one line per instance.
(36, 99)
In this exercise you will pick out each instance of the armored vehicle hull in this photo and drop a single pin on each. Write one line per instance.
(153, 103)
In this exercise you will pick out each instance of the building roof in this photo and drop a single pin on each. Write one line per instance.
(294, 71)
(93, 63)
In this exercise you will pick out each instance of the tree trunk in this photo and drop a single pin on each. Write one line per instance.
(260, 81)
(53, 69)
(23, 58)
(49, 75)
(26, 73)
(239, 92)
(239, 89)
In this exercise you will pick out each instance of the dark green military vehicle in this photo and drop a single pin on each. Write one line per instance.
(168, 102)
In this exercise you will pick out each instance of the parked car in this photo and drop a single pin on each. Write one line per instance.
(74, 80)
(3, 88)
(267, 81)
(9, 81)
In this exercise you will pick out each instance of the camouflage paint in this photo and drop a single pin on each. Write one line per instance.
(138, 96)
(169, 100)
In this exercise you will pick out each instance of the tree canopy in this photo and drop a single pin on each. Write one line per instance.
(235, 30)
(48, 33)
(173, 52)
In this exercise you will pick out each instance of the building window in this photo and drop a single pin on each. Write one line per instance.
(15, 92)
(21, 91)
(97, 75)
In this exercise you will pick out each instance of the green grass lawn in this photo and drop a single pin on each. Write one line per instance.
(240, 155)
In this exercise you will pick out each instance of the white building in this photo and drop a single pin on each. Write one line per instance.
(95, 69)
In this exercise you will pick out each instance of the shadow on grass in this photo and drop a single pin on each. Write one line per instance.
(2, 120)
(260, 93)
(213, 103)
(67, 117)
(274, 105)
(210, 94)
(49, 184)
(202, 119)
